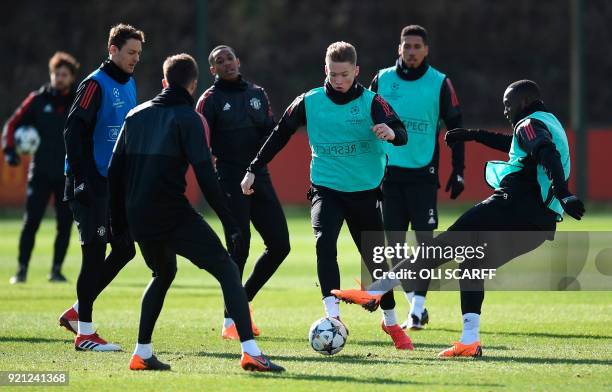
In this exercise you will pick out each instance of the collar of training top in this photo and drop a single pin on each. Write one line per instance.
(115, 72)
(535, 106)
(340, 98)
(407, 73)
(56, 96)
(238, 84)
(172, 96)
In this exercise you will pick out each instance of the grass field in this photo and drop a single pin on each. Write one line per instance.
(544, 341)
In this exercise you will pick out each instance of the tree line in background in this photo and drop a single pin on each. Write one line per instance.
(482, 45)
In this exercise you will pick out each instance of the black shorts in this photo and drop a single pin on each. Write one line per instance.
(92, 220)
(414, 204)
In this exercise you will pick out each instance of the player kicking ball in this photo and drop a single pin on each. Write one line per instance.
(347, 127)
(158, 142)
(531, 195)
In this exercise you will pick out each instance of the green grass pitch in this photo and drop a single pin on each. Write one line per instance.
(541, 341)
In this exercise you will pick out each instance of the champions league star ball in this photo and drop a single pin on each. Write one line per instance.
(327, 336)
(27, 140)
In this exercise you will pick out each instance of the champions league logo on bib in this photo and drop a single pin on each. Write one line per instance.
(117, 102)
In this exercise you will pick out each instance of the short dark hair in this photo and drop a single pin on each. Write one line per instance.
(527, 89)
(414, 30)
(341, 52)
(180, 70)
(63, 59)
(120, 33)
(211, 58)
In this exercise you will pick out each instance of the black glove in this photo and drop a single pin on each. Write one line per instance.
(82, 191)
(455, 184)
(571, 204)
(460, 135)
(11, 157)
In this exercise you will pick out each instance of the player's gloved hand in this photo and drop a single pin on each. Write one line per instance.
(11, 157)
(571, 204)
(460, 135)
(455, 184)
(82, 191)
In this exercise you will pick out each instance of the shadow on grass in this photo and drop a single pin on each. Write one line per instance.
(377, 343)
(533, 334)
(330, 378)
(27, 339)
(184, 286)
(366, 380)
(347, 359)
(530, 360)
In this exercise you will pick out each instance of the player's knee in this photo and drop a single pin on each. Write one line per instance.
(127, 251)
(280, 247)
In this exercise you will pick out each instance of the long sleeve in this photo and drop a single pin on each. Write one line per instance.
(293, 118)
(78, 133)
(116, 184)
(494, 140)
(535, 139)
(22, 115)
(450, 113)
(382, 112)
(193, 139)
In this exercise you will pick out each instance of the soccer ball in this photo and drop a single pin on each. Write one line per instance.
(327, 336)
(27, 140)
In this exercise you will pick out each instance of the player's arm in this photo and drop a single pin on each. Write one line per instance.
(269, 122)
(450, 113)
(116, 184)
(78, 137)
(494, 140)
(374, 83)
(206, 107)
(293, 118)
(193, 140)
(22, 115)
(535, 139)
(387, 125)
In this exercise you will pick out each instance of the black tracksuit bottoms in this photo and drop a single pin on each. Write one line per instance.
(39, 190)
(362, 212)
(507, 230)
(195, 240)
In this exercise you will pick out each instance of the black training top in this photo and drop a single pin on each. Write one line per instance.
(46, 110)
(159, 140)
(240, 120)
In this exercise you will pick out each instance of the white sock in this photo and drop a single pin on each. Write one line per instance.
(332, 306)
(144, 351)
(471, 328)
(389, 317)
(250, 347)
(409, 296)
(418, 305)
(85, 328)
(227, 322)
(76, 306)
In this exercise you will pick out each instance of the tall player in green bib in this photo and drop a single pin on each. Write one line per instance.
(530, 197)
(422, 96)
(348, 128)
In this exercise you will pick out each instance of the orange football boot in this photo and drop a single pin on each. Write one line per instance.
(462, 350)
